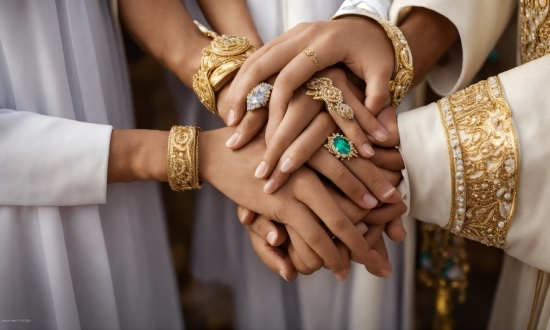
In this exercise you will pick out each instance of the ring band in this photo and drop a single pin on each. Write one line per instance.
(323, 90)
(311, 54)
(258, 96)
(341, 147)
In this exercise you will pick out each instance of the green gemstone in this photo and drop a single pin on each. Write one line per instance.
(341, 145)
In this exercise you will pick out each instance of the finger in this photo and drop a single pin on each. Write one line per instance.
(394, 177)
(245, 215)
(251, 124)
(388, 119)
(302, 149)
(375, 262)
(377, 91)
(354, 212)
(335, 170)
(380, 264)
(344, 251)
(388, 159)
(274, 258)
(385, 213)
(268, 230)
(311, 259)
(374, 179)
(395, 230)
(301, 111)
(298, 263)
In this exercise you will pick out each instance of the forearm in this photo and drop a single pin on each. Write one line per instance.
(429, 35)
(231, 17)
(165, 29)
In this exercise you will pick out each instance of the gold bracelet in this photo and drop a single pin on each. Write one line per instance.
(484, 156)
(219, 64)
(183, 158)
(403, 72)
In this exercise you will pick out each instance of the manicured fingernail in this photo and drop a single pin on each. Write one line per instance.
(368, 149)
(385, 274)
(232, 140)
(380, 136)
(230, 117)
(260, 171)
(270, 186)
(286, 165)
(389, 192)
(271, 237)
(282, 273)
(244, 214)
(361, 228)
(369, 201)
(342, 275)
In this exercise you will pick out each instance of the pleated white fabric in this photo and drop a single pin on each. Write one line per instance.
(65, 261)
(222, 250)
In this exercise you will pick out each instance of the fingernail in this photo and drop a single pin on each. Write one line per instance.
(286, 165)
(369, 201)
(270, 186)
(230, 117)
(232, 140)
(386, 274)
(389, 192)
(368, 149)
(342, 275)
(244, 213)
(260, 170)
(282, 273)
(361, 228)
(380, 136)
(271, 237)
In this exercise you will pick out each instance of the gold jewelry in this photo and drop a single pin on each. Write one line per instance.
(534, 29)
(484, 155)
(219, 64)
(258, 96)
(323, 90)
(311, 54)
(183, 158)
(402, 76)
(341, 147)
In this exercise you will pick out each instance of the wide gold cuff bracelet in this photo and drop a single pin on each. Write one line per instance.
(219, 64)
(403, 72)
(484, 157)
(183, 158)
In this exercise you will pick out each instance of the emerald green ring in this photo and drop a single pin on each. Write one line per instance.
(341, 147)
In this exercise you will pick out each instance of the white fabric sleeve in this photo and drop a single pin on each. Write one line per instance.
(479, 23)
(380, 7)
(424, 149)
(50, 161)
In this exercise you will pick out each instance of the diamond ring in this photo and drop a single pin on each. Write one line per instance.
(258, 96)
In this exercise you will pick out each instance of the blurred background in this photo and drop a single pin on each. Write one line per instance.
(209, 305)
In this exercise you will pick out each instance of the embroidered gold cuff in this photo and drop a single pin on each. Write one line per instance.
(402, 76)
(183, 158)
(534, 29)
(484, 156)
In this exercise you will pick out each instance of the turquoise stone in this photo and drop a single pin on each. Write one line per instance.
(341, 145)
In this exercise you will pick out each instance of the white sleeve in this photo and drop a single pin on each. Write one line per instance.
(380, 7)
(50, 161)
(427, 154)
(479, 23)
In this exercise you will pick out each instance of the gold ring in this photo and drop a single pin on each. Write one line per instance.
(323, 90)
(341, 147)
(311, 54)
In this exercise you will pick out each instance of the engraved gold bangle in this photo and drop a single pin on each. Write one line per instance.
(183, 158)
(323, 90)
(484, 156)
(219, 64)
(403, 72)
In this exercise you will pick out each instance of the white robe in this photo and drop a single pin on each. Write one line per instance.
(222, 249)
(67, 262)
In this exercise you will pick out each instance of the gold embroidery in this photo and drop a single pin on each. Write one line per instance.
(535, 29)
(484, 158)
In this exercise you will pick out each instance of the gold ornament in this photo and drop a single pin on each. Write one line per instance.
(183, 158)
(534, 29)
(323, 90)
(312, 56)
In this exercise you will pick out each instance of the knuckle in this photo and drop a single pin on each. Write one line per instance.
(315, 263)
(339, 222)
(314, 238)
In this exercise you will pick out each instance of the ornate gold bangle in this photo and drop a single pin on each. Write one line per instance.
(403, 72)
(183, 158)
(220, 61)
(484, 155)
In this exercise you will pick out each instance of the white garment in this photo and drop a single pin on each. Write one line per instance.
(222, 250)
(65, 261)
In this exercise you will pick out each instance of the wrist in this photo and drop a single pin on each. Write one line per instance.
(148, 159)
(185, 61)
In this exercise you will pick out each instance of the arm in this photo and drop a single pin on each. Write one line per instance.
(509, 210)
